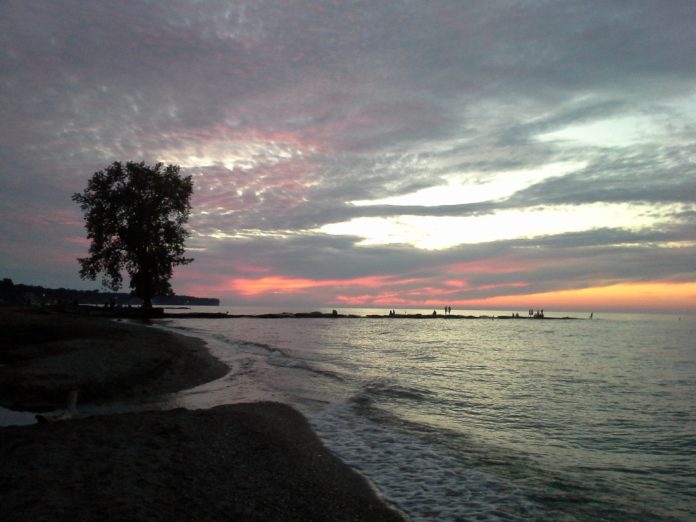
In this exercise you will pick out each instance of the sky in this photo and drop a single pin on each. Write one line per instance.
(499, 154)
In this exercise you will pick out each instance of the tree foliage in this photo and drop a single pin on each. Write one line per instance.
(135, 216)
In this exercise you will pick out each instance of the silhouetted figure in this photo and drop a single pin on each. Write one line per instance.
(434, 312)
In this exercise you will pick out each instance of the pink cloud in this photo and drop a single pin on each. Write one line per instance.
(249, 194)
(282, 284)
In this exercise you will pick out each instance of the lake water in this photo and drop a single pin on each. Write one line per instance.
(484, 419)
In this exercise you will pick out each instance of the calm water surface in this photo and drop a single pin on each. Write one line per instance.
(485, 419)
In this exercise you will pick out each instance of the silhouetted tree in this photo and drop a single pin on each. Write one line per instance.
(135, 216)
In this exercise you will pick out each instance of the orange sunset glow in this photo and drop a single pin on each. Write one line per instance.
(409, 292)
(650, 296)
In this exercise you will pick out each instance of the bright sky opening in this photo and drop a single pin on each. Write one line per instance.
(432, 233)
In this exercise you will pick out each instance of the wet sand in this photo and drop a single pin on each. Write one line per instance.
(258, 461)
(44, 355)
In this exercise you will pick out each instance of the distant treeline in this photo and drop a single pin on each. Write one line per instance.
(31, 294)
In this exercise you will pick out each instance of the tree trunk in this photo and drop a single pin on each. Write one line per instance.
(144, 289)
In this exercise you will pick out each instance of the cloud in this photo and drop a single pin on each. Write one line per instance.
(296, 117)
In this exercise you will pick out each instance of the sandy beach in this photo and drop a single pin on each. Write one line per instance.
(257, 461)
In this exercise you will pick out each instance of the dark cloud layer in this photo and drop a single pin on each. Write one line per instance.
(287, 112)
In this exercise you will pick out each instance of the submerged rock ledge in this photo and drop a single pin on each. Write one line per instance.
(324, 315)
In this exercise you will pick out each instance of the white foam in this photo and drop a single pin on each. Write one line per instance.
(16, 418)
(257, 373)
(427, 483)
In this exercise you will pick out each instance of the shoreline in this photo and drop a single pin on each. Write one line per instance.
(251, 461)
(46, 355)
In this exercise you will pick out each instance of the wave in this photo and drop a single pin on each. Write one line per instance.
(390, 389)
(427, 482)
